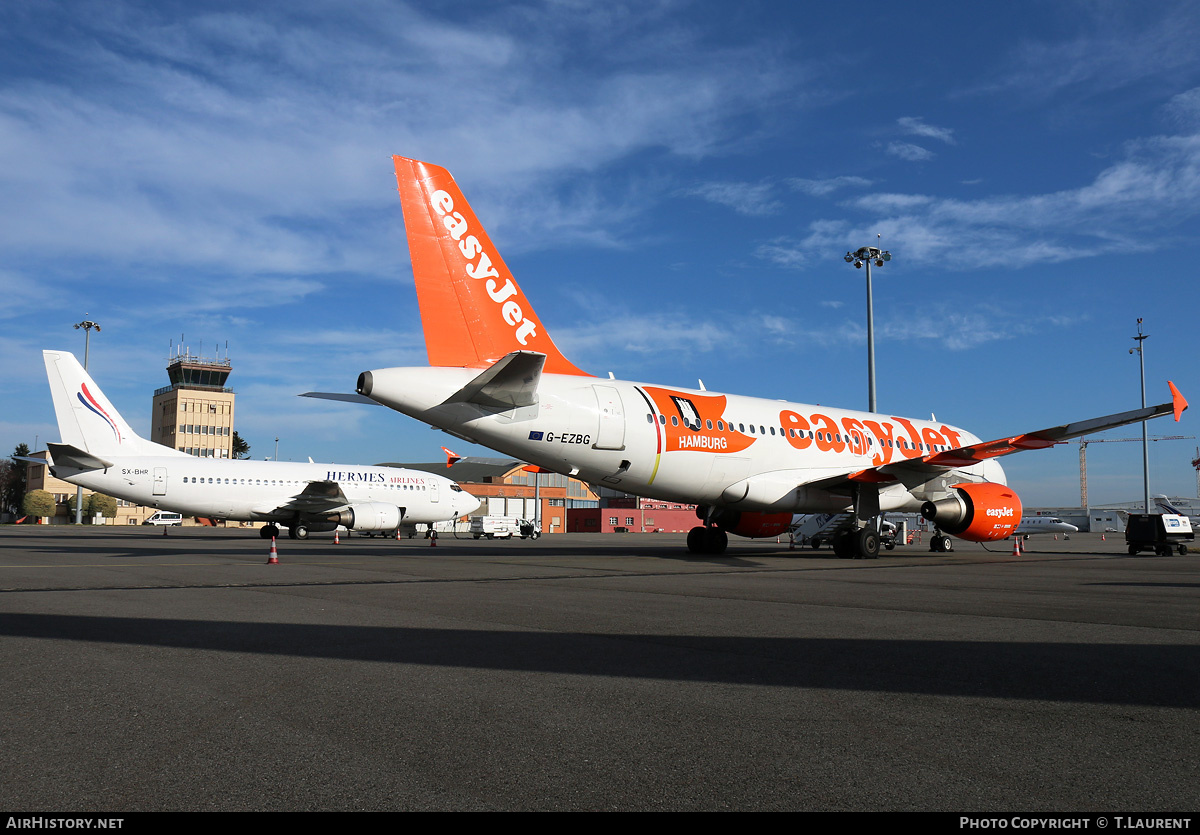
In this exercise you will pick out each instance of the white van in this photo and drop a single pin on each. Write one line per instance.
(503, 527)
(164, 517)
(495, 527)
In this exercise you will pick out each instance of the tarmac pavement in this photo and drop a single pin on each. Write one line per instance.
(587, 672)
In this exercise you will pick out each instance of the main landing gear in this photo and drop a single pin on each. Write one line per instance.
(707, 539)
(858, 544)
(861, 540)
(268, 531)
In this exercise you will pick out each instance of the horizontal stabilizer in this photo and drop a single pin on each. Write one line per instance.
(337, 395)
(65, 455)
(510, 382)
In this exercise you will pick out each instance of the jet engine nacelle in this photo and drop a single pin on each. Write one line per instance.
(980, 512)
(750, 524)
(370, 516)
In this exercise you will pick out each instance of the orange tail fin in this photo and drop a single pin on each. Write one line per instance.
(472, 310)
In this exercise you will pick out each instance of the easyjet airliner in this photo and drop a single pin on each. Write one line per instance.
(496, 378)
(99, 451)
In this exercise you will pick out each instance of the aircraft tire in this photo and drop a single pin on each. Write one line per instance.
(868, 544)
(299, 531)
(715, 541)
(695, 540)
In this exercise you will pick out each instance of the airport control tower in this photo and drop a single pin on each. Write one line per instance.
(194, 414)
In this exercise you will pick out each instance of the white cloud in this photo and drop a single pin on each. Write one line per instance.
(783, 253)
(820, 188)
(754, 199)
(1130, 206)
(256, 141)
(915, 126)
(910, 152)
(1183, 110)
(1119, 47)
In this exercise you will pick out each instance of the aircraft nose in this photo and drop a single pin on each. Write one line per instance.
(470, 504)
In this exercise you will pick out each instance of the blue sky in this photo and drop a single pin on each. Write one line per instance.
(674, 184)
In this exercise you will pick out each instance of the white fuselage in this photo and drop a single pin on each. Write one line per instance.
(687, 445)
(262, 490)
(1044, 524)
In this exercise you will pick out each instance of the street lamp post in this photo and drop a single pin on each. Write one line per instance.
(867, 255)
(1140, 339)
(88, 326)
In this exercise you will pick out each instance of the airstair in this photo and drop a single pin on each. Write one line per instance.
(817, 529)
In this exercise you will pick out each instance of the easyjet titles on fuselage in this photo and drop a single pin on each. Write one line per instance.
(699, 421)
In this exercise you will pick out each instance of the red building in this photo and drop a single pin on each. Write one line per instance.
(633, 515)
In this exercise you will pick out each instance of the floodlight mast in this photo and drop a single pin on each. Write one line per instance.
(87, 325)
(867, 255)
(1140, 339)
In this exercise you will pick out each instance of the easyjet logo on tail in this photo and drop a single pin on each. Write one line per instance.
(470, 248)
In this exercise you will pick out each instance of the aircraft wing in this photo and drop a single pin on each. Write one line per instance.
(918, 470)
(1042, 438)
(316, 497)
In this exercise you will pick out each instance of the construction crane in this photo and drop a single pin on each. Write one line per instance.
(1196, 466)
(1083, 445)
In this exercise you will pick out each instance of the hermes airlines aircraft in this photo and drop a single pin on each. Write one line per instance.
(101, 452)
(497, 379)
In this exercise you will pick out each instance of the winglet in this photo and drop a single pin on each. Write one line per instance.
(1177, 401)
(451, 458)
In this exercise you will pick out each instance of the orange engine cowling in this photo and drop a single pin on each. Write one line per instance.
(750, 524)
(979, 512)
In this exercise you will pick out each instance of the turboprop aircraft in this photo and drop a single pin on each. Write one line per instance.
(496, 378)
(99, 451)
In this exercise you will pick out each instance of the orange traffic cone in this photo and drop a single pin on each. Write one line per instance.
(1016, 546)
(432, 538)
(274, 558)
(336, 540)
(1101, 537)
(397, 534)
